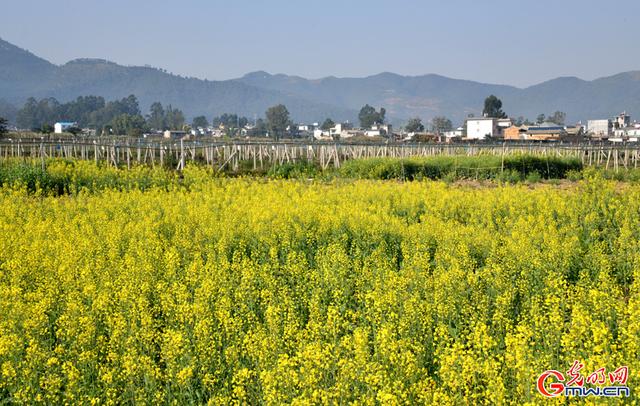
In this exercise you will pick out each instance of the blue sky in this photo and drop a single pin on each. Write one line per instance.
(511, 42)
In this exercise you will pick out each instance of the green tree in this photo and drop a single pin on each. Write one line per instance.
(155, 119)
(540, 119)
(327, 125)
(128, 124)
(46, 129)
(174, 118)
(200, 122)
(130, 105)
(493, 107)
(441, 124)
(230, 121)
(369, 117)
(414, 125)
(3, 126)
(27, 115)
(558, 117)
(277, 120)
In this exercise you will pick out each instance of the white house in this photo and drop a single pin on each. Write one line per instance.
(628, 133)
(174, 134)
(379, 130)
(600, 128)
(622, 120)
(479, 128)
(61, 127)
(457, 133)
(307, 127)
(322, 135)
(503, 123)
(339, 130)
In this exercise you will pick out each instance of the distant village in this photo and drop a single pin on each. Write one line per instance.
(617, 129)
(493, 125)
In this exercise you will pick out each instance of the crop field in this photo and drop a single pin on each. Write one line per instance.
(143, 286)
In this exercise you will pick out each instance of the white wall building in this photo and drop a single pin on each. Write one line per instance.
(599, 128)
(174, 134)
(457, 133)
(479, 128)
(622, 120)
(61, 127)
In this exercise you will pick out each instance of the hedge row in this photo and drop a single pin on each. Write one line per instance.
(461, 167)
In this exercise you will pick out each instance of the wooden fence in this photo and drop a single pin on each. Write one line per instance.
(261, 155)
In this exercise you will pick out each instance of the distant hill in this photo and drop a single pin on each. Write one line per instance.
(23, 74)
(430, 95)
(402, 96)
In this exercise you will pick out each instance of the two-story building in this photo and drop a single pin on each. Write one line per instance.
(480, 128)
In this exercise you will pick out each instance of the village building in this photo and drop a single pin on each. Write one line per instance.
(574, 133)
(480, 128)
(515, 133)
(379, 130)
(622, 120)
(630, 134)
(59, 128)
(340, 130)
(453, 134)
(174, 134)
(600, 128)
(546, 132)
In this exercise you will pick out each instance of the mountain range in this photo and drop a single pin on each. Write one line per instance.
(23, 75)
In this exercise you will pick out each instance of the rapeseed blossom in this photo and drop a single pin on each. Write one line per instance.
(245, 291)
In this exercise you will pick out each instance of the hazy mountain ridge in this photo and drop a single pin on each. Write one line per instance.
(23, 74)
(429, 95)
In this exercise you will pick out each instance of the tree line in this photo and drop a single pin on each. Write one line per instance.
(117, 117)
(124, 117)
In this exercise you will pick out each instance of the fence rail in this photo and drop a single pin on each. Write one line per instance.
(264, 154)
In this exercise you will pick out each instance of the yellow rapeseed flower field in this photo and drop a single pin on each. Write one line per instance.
(255, 291)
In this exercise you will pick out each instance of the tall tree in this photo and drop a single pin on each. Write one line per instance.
(155, 119)
(414, 125)
(27, 116)
(441, 124)
(277, 120)
(558, 117)
(3, 126)
(130, 105)
(128, 124)
(174, 118)
(327, 125)
(369, 117)
(493, 107)
(200, 122)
